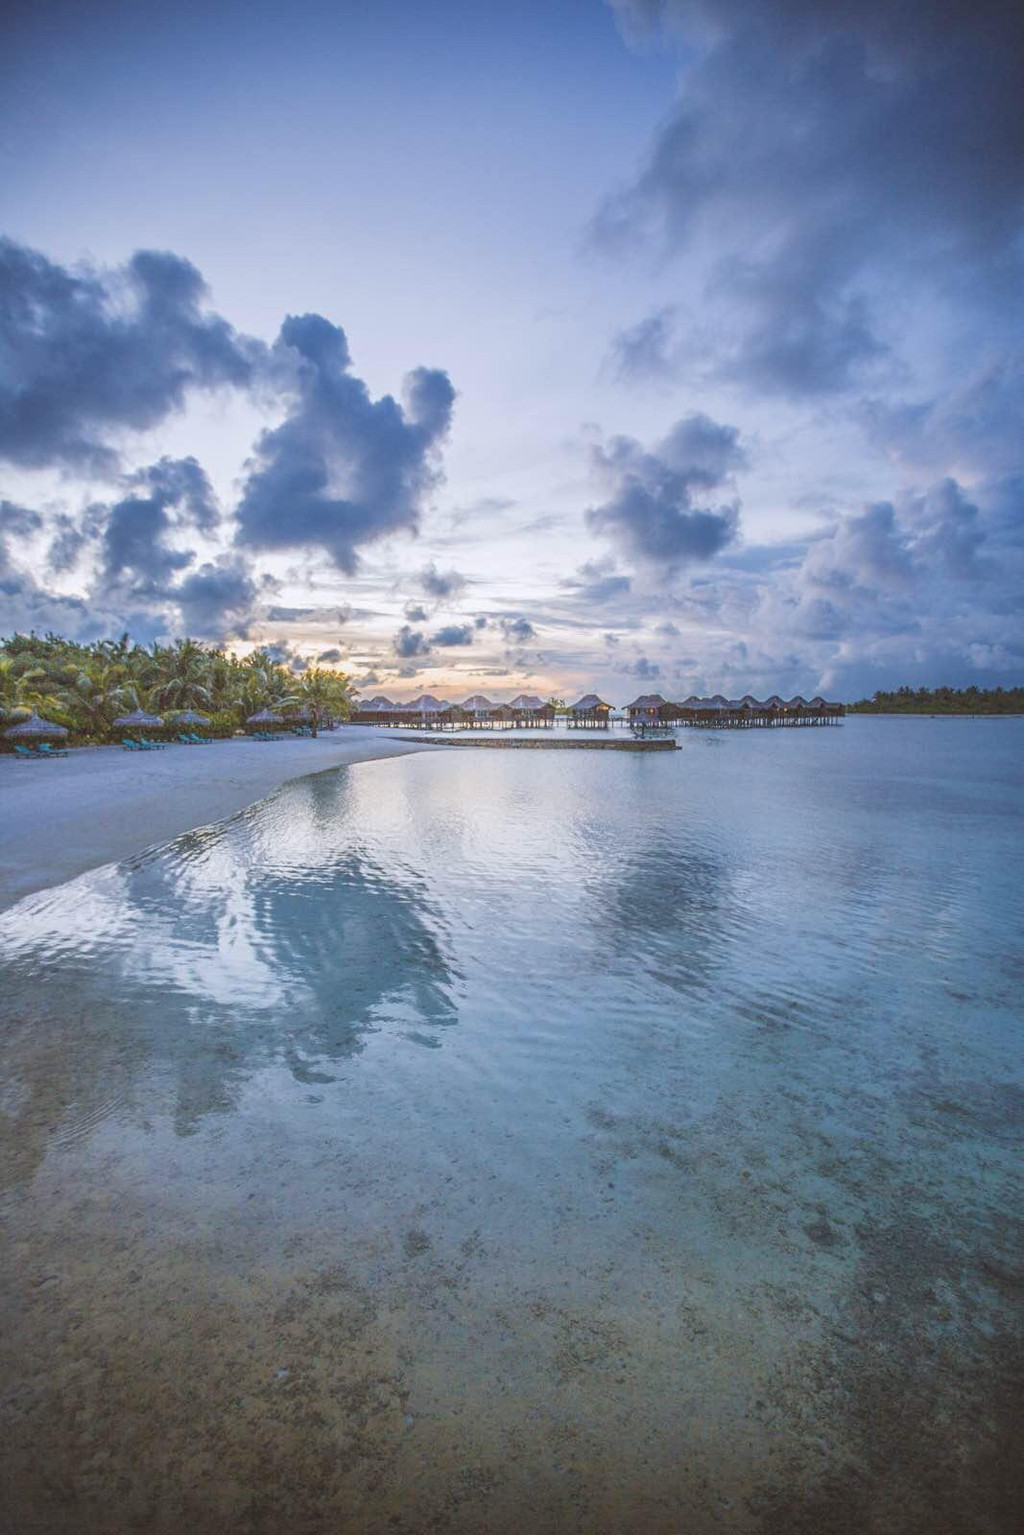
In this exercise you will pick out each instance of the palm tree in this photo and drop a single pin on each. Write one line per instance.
(181, 675)
(325, 693)
(94, 694)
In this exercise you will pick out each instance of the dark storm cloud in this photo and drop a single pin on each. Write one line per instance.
(89, 355)
(454, 634)
(655, 514)
(169, 497)
(217, 599)
(832, 155)
(410, 642)
(342, 469)
(441, 584)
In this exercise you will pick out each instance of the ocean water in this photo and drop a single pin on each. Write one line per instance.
(486, 1141)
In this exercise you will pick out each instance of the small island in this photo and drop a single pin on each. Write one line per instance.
(967, 701)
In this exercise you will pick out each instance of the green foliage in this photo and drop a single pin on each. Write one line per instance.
(86, 687)
(970, 700)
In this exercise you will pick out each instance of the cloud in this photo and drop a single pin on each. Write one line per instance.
(28, 606)
(820, 161)
(168, 497)
(217, 599)
(441, 584)
(921, 588)
(342, 470)
(517, 631)
(595, 581)
(89, 355)
(416, 613)
(653, 515)
(410, 642)
(336, 615)
(642, 668)
(330, 657)
(647, 350)
(19, 520)
(454, 634)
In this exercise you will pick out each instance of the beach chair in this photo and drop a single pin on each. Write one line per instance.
(23, 754)
(131, 746)
(194, 740)
(152, 746)
(46, 750)
(185, 740)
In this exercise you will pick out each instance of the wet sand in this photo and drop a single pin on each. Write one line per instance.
(103, 803)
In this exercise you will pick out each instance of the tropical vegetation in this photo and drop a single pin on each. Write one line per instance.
(970, 700)
(86, 687)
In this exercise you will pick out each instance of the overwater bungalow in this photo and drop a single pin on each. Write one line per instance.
(647, 709)
(528, 711)
(748, 712)
(477, 707)
(589, 713)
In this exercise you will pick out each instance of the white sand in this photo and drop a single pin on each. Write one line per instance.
(58, 819)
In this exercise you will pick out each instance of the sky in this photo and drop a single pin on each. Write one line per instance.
(556, 346)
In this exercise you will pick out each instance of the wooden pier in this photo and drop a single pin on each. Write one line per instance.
(553, 744)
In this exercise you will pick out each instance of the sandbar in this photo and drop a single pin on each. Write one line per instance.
(101, 804)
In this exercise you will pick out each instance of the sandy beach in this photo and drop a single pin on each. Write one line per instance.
(104, 803)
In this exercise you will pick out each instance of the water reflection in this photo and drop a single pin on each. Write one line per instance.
(272, 937)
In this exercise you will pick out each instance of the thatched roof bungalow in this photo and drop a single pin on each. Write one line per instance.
(590, 711)
(477, 706)
(649, 707)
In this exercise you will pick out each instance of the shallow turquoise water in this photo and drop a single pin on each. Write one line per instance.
(591, 1140)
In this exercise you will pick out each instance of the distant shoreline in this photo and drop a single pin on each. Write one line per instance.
(928, 714)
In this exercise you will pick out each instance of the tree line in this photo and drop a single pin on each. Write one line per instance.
(970, 700)
(86, 687)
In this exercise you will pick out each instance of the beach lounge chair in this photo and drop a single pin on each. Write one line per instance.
(194, 740)
(131, 746)
(25, 755)
(152, 746)
(46, 750)
(185, 740)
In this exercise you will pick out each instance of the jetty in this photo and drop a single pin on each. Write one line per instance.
(555, 744)
(646, 717)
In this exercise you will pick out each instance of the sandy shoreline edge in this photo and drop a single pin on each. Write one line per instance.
(60, 819)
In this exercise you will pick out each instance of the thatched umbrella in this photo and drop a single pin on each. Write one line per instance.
(265, 717)
(190, 717)
(139, 719)
(34, 727)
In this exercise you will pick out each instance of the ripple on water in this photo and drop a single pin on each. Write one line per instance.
(601, 1079)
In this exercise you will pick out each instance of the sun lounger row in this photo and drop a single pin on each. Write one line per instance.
(39, 753)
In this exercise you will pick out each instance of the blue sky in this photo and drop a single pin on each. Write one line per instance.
(707, 316)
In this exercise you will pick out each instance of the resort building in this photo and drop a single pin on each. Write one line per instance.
(589, 713)
(650, 709)
(529, 710)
